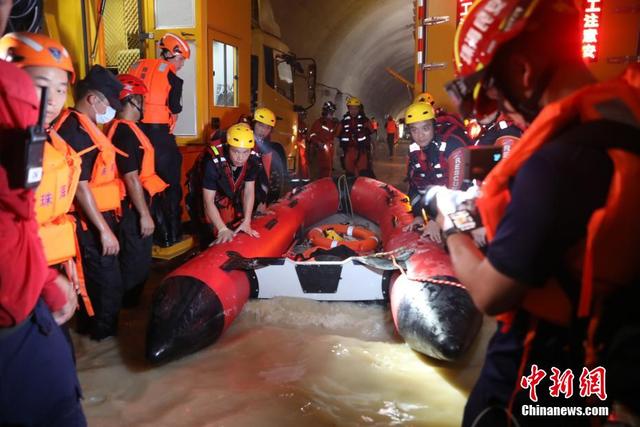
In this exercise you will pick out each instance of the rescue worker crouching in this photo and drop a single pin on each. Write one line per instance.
(446, 123)
(355, 140)
(98, 197)
(230, 172)
(427, 160)
(321, 139)
(271, 179)
(142, 184)
(497, 128)
(39, 384)
(162, 104)
(561, 269)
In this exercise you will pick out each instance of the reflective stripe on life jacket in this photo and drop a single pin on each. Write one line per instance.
(355, 131)
(147, 171)
(107, 188)
(613, 234)
(155, 74)
(54, 197)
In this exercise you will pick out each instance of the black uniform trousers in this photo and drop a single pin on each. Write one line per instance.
(103, 280)
(38, 381)
(166, 209)
(135, 255)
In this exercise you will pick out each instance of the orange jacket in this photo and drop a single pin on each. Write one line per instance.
(54, 198)
(147, 173)
(107, 188)
(612, 229)
(391, 126)
(155, 74)
(324, 131)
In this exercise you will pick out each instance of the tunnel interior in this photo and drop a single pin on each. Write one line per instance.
(353, 42)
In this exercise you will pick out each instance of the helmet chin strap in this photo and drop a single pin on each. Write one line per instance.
(530, 107)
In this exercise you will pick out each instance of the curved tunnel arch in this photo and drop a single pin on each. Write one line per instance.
(353, 42)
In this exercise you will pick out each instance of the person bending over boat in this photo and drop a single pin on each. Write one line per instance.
(427, 161)
(230, 171)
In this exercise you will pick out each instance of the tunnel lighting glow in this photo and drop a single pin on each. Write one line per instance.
(591, 29)
(463, 9)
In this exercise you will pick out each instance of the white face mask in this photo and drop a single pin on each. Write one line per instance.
(105, 117)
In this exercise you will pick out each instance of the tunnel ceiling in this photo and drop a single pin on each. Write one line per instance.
(353, 41)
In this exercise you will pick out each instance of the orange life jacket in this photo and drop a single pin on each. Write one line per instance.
(54, 198)
(147, 173)
(155, 74)
(610, 257)
(106, 186)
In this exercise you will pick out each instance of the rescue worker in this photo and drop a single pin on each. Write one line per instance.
(98, 197)
(230, 170)
(496, 128)
(374, 138)
(355, 140)
(323, 133)
(392, 134)
(561, 267)
(142, 184)
(49, 65)
(446, 122)
(427, 161)
(271, 179)
(162, 104)
(39, 384)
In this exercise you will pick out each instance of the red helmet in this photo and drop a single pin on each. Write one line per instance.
(132, 86)
(488, 25)
(176, 45)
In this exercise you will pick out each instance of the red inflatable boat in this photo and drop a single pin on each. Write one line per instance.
(198, 301)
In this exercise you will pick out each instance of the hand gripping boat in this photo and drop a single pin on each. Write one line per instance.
(198, 301)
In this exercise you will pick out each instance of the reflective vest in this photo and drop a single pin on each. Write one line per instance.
(147, 171)
(155, 74)
(54, 198)
(323, 131)
(106, 186)
(355, 131)
(610, 256)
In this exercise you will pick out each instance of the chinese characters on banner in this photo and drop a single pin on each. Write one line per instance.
(591, 382)
(591, 29)
(463, 9)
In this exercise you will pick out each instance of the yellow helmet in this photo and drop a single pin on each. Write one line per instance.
(419, 112)
(265, 116)
(353, 102)
(424, 97)
(240, 135)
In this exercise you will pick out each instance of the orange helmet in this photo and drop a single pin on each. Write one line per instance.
(35, 50)
(132, 86)
(176, 45)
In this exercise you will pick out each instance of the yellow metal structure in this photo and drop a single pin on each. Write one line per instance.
(173, 251)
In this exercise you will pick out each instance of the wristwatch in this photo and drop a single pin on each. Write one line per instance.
(462, 222)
